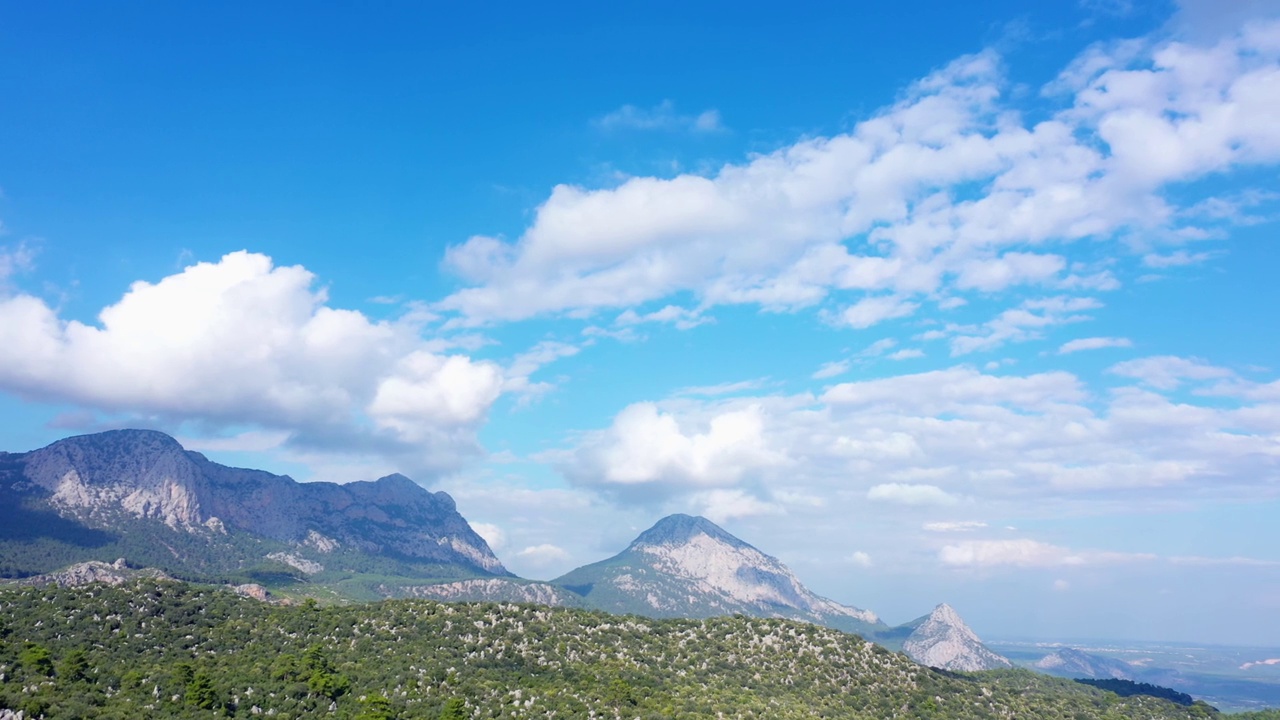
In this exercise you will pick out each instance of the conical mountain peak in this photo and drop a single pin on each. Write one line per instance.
(679, 529)
(687, 566)
(946, 615)
(944, 640)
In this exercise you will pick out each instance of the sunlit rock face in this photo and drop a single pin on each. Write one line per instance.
(690, 567)
(943, 640)
(107, 480)
(142, 473)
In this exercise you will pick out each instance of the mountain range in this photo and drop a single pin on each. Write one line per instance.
(138, 494)
(138, 498)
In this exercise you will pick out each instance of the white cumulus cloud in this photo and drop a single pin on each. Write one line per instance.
(648, 446)
(244, 341)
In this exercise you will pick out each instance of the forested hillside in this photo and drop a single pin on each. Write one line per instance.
(163, 649)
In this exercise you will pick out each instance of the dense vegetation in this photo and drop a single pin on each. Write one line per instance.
(162, 649)
(1129, 688)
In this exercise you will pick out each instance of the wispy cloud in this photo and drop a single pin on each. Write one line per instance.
(726, 388)
(1168, 372)
(543, 555)
(1234, 561)
(1020, 324)
(954, 526)
(17, 259)
(873, 310)
(906, 494)
(1028, 553)
(681, 318)
(832, 369)
(1178, 258)
(1093, 343)
(662, 116)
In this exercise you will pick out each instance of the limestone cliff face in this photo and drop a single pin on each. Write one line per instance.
(943, 640)
(142, 473)
(146, 475)
(687, 566)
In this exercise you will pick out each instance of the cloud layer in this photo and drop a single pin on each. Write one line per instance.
(950, 190)
(939, 438)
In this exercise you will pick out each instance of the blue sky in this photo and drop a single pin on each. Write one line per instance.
(934, 302)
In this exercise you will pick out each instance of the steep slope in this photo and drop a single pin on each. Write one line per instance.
(140, 495)
(943, 640)
(1069, 662)
(687, 566)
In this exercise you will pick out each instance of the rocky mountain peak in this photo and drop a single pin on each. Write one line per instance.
(145, 473)
(679, 529)
(114, 449)
(398, 489)
(687, 566)
(947, 615)
(397, 482)
(134, 440)
(943, 640)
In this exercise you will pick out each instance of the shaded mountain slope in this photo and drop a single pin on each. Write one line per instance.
(140, 495)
